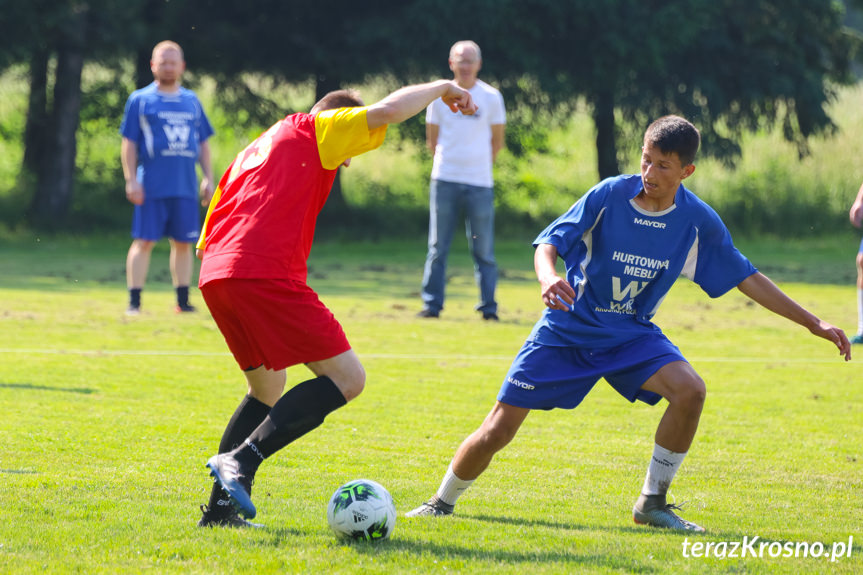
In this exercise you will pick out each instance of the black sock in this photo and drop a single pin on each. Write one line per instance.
(134, 297)
(182, 296)
(247, 417)
(299, 411)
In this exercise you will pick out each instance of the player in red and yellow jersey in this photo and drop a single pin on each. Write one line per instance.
(254, 246)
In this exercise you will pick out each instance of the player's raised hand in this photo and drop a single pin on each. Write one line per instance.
(459, 100)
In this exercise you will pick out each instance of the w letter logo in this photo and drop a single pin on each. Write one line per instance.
(177, 133)
(631, 290)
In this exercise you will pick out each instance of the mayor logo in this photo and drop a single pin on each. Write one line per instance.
(650, 223)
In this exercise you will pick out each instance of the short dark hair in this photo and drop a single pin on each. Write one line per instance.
(338, 99)
(674, 134)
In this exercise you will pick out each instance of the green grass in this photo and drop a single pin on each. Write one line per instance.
(107, 422)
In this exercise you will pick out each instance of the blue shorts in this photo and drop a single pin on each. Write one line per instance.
(547, 377)
(860, 249)
(177, 218)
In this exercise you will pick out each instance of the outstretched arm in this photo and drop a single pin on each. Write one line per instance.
(204, 158)
(497, 140)
(856, 213)
(556, 291)
(129, 160)
(410, 100)
(760, 289)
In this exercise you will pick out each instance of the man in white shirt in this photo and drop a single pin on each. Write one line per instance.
(464, 148)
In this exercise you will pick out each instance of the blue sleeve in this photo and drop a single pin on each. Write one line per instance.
(131, 128)
(566, 232)
(720, 266)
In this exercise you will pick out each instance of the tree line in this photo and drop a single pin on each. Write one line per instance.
(728, 65)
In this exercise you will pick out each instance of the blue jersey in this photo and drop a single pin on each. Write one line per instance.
(621, 261)
(168, 130)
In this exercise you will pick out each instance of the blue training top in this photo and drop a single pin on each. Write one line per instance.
(622, 260)
(168, 129)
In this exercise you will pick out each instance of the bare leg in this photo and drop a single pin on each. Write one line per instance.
(860, 270)
(497, 430)
(181, 263)
(297, 412)
(138, 262)
(266, 385)
(345, 370)
(859, 298)
(685, 391)
(473, 457)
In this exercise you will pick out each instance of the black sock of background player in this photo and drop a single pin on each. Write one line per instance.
(182, 296)
(247, 417)
(297, 412)
(135, 297)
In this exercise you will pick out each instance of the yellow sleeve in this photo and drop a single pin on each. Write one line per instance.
(344, 133)
(202, 240)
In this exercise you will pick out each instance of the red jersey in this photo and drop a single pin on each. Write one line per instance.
(261, 220)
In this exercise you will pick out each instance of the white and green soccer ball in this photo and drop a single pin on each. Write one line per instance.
(362, 510)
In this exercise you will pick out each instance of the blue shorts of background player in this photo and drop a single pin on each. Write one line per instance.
(176, 218)
(548, 377)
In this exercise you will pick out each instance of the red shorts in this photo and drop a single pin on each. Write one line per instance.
(272, 322)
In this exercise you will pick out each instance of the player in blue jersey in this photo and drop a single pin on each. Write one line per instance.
(624, 243)
(165, 134)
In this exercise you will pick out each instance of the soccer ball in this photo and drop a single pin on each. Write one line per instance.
(362, 510)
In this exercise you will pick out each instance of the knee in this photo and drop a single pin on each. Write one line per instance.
(692, 393)
(494, 436)
(268, 396)
(142, 246)
(180, 246)
(351, 384)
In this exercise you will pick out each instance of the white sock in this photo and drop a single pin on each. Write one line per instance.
(859, 311)
(663, 465)
(452, 487)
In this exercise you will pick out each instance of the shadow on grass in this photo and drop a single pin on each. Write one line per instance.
(575, 558)
(18, 472)
(35, 387)
(571, 558)
(713, 534)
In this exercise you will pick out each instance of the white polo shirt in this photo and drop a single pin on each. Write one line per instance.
(463, 151)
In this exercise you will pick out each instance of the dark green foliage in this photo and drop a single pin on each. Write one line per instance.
(731, 66)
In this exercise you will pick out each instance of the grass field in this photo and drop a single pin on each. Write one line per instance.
(107, 422)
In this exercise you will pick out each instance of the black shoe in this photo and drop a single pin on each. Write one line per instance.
(427, 313)
(236, 482)
(227, 518)
(490, 316)
(433, 507)
(185, 308)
